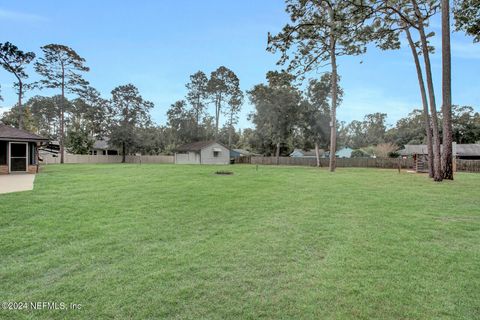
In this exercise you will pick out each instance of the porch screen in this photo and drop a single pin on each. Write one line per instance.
(31, 154)
(3, 152)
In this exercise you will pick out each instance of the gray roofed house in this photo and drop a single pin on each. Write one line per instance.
(235, 153)
(419, 152)
(202, 152)
(18, 150)
(102, 147)
(411, 149)
(299, 153)
(8, 133)
(460, 151)
(194, 146)
(468, 151)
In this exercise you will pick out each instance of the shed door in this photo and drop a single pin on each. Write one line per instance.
(18, 156)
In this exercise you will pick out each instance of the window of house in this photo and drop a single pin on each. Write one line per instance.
(216, 152)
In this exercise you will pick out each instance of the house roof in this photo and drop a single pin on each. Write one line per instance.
(244, 152)
(344, 152)
(411, 149)
(101, 144)
(459, 149)
(468, 149)
(196, 146)
(14, 134)
(306, 153)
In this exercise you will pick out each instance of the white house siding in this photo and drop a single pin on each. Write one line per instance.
(190, 157)
(208, 158)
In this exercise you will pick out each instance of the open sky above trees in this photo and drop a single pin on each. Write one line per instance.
(159, 44)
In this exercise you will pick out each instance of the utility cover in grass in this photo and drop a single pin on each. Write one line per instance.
(223, 172)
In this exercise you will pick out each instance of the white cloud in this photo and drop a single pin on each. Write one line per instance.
(21, 16)
(2, 110)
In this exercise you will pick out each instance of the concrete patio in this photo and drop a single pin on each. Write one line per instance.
(16, 182)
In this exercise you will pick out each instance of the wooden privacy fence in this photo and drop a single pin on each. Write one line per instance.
(80, 158)
(388, 163)
(468, 165)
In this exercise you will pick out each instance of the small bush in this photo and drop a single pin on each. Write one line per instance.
(359, 154)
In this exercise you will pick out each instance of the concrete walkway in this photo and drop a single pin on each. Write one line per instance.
(16, 182)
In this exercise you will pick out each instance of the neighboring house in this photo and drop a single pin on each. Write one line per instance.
(236, 153)
(344, 153)
(51, 148)
(18, 150)
(299, 153)
(419, 153)
(202, 152)
(460, 151)
(102, 147)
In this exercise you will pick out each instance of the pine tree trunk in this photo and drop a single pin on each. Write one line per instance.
(447, 157)
(333, 83)
(277, 154)
(62, 123)
(20, 109)
(197, 119)
(317, 154)
(196, 126)
(217, 114)
(123, 152)
(437, 165)
(423, 93)
(230, 132)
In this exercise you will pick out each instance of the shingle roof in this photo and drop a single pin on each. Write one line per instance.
(196, 146)
(101, 144)
(307, 153)
(411, 149)
(14, 134)
(468, 149)
(310, 153)
(244, 152)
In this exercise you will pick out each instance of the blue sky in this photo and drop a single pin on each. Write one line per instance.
(156, 45)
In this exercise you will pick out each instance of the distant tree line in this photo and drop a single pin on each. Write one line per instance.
(373, 130)
(190, 120)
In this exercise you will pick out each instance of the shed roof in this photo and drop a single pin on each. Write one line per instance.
(101, 144)
(306, 153)
(468, 149)
(411, 149)
(13, 134)
(244, 152)
(459, 149)
(196, 146)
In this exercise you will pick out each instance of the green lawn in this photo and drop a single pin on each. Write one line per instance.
(164, 241)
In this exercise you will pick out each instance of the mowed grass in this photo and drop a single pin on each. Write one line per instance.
(179, 242)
